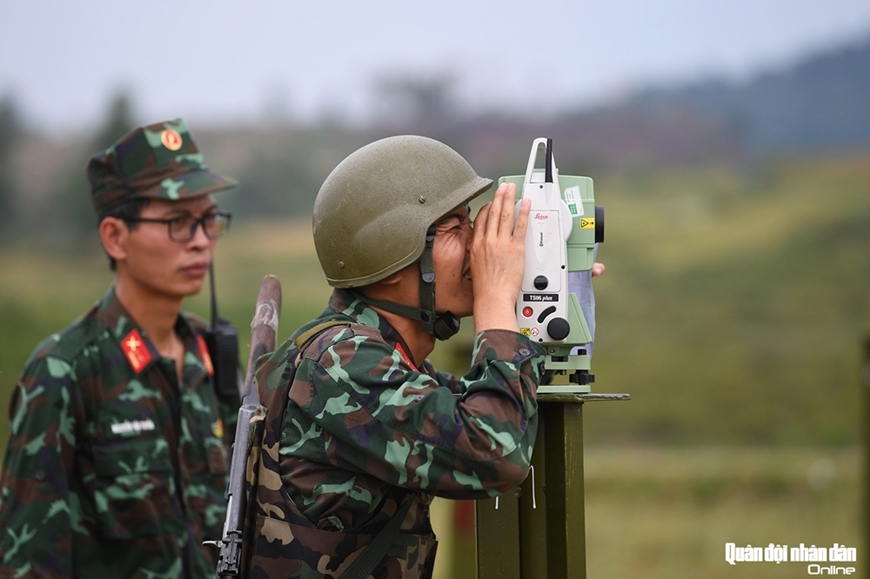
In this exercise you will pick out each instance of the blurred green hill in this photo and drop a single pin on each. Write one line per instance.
(745, 298)
(815, 106)
(817, 103)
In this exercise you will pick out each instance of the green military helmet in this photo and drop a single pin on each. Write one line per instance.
(373, 211)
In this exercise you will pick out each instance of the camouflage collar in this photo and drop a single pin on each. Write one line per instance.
(121, 325)
(344, 302)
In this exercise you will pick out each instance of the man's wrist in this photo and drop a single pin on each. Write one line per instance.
(498, 320)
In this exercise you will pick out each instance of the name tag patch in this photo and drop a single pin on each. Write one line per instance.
(133, 426)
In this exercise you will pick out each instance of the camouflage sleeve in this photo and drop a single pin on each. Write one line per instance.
(444, 379)
(401, 426)
(36, 517)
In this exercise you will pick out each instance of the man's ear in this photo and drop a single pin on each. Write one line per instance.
(383, 289)
(394, 287)
(113, 236)
(392, 279)
(409, 272)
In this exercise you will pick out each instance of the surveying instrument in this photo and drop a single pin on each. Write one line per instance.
(539, 530)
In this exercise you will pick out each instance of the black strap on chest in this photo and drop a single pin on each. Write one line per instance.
(363, 566)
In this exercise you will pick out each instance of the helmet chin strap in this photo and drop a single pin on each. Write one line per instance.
(442, 326)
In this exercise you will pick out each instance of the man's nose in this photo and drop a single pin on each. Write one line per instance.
(199, 239)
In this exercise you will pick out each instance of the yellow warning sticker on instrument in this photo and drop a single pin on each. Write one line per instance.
(526, 331)
(587, 223)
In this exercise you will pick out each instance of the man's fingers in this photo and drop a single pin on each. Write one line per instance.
(501, 217)
(495, 211)
(496, 218)
(480, 221)
(508, 207)
(522, 219)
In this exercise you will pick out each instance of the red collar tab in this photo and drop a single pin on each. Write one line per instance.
(206, 358)
(136, 351)
(406, 357)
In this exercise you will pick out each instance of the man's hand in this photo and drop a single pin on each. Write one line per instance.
(498, 259)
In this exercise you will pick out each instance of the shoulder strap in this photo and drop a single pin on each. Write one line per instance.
(363, 566)
(273, 398)
(302, 340)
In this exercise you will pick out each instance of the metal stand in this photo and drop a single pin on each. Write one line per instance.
(865, 419)
(539, 530)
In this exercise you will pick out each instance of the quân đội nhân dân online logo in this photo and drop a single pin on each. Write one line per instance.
(832, 560)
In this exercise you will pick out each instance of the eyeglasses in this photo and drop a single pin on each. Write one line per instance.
(183, 228)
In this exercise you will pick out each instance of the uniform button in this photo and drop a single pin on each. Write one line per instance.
(39, 475)
(524, 351)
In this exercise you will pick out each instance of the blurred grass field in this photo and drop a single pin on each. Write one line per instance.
(733, 311)
(667, 513)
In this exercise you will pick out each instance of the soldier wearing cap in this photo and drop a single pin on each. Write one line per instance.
(118, 452)
(361, 430)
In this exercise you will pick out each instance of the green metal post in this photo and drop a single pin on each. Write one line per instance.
(539, 532)
(498, 541)
(866, 433)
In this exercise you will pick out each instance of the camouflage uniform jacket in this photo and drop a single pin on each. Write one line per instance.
(113, 469)
(360, 430)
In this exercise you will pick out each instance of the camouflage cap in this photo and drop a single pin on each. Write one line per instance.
(159, 161)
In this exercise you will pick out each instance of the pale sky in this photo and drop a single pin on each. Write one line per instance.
(227, 61)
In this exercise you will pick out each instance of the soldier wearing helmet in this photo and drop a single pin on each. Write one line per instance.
(361, 431)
